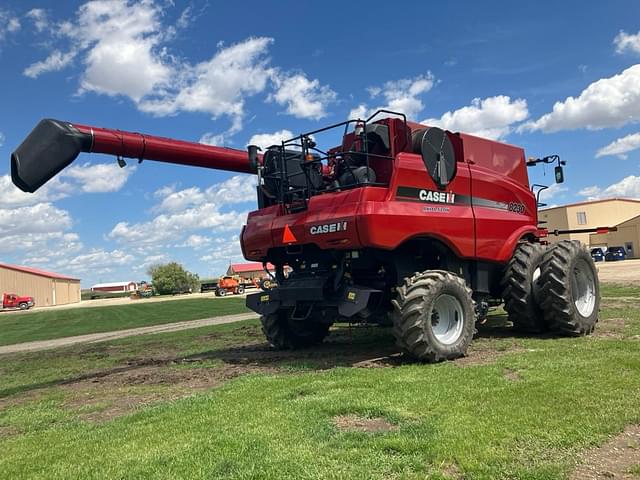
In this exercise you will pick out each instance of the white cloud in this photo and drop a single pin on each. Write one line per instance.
(621, 146)
(87, 178)
(8, 24)
(627, 187)
(41, 218)
(101, 177)
(218, 86)
(608, 102)
(189, 210)
(627, 42)
(400, 95)
(303, 98)
(13, 25)
(196, 242)
(265, 140)
(124, 48)
(490, 117)
(39, 18)
(98, 261)
(551, 192)
(54, 62)
(215, 139)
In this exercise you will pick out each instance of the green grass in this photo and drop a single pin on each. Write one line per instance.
(635, 471)
(49, 324)
(613, 290)
(569, 394)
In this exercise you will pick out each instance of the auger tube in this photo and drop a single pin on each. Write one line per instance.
(53, 145)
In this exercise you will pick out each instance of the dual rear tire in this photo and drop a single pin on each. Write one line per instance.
(552, 289)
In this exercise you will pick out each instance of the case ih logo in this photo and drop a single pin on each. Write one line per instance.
(328, 228)
(429, 196)
(437, 197)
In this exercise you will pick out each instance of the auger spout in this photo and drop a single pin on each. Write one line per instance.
(53, 145)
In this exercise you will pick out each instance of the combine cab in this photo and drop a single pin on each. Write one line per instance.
(400, 224)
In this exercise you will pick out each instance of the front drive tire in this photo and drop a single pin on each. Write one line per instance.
(570, 290)
(23, 306)
(434, 316)
(520, 281)
(286, 334)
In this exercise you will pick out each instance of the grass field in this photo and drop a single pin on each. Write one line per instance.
(49, 324)
(217, 402)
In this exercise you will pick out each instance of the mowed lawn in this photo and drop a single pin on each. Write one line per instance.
(58, 323)
(216, 402)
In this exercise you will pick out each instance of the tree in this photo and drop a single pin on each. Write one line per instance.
(173, 278)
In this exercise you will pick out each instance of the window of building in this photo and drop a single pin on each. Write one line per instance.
(582, 218)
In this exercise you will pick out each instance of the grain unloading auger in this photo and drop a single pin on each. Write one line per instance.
(53, 145)
(400, 224)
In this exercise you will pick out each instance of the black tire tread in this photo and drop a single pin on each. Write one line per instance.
(408, 316)
(557, 305)
(524, 312)
(281, 335)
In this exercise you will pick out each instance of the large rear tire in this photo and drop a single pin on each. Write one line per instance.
(520, 288)
(570, 290)
(286, 334)
(434, 316)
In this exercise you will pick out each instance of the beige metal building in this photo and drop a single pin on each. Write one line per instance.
(592, 214)
(627, 235)
(46, 288)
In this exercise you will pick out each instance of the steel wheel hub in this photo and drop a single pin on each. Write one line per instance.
(447, 319)
(583, 286)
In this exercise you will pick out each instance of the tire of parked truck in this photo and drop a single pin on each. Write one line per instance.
(240, 290)
(520, 288)
(286, 334)
(221, 292)
(570, 289)
(24, 306)
(434, 316)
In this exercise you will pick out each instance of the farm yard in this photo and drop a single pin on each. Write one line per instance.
(218, 402)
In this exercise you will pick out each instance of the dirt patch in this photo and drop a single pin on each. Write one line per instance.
(354, 423)
(614, 459)
(108, 396)
(610, 328)
(452, 471)
(480, 353)
(8, 431)
(511, 375)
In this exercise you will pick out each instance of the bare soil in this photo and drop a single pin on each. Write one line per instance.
(354, 423)
(622, 272)
(613, 460)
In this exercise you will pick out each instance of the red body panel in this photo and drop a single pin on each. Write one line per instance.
(493, 209)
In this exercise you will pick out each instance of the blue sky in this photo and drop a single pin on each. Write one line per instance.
(553, 77)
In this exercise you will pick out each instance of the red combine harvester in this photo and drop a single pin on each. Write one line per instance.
(399, 224)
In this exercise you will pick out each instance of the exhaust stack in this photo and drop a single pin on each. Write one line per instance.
(53, 145)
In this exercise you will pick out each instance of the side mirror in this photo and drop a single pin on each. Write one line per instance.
(559, 174)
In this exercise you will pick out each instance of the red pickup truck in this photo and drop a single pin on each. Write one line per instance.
(11, 300)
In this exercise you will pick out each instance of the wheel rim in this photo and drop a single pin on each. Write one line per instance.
(447, 319)
(535, 284)
(583, 285)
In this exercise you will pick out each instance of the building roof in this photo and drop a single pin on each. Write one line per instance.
(249, 267)
(588, 202)
(113, 284)
(37, 271)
